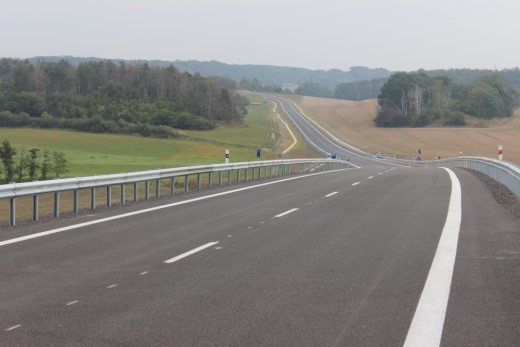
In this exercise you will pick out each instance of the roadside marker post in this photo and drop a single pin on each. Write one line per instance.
(227, 156)
(500, 153)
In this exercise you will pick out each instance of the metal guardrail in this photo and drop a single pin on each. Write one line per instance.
(501, 171)
(271, 168)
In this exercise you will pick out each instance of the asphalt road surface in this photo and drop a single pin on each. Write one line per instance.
(320, 142)
(340, 258)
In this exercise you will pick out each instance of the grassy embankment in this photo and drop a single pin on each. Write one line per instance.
(94, 154)
(352, 121)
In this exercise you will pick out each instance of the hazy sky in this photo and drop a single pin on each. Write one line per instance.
(319, 34)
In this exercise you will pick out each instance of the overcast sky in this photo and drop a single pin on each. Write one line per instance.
(320, 34)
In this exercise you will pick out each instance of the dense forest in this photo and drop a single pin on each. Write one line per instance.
(102, 96)
(265, 74)
(370, 89)
(417, 99)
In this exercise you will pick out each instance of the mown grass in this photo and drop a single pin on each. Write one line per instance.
(94, 154)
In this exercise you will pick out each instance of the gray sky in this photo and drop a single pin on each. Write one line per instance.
(319, 34)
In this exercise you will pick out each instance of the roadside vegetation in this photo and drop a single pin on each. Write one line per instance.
(93, 154)
(104, 97)
(416, 99)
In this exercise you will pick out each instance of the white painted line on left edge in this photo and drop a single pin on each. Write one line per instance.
(331, 194)
(193, 251)
(428, 321)
(125, 215)
(286, 213)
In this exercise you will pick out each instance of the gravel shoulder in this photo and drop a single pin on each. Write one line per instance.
(501, 193)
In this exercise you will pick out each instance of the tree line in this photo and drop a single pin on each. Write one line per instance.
(416, 99)
(148, 100)
(34, 164)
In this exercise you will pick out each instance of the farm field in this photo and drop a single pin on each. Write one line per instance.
(95, 154)
(352, 121)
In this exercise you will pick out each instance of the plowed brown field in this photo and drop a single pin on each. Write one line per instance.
(352, 121)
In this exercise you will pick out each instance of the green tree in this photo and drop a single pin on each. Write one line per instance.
(22, 165)
(46, 164)
(59, 162)
(33, 163)
(7, 154)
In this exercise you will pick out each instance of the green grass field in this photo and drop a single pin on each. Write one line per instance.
(90, 154)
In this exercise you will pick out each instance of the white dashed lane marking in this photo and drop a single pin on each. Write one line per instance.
(286, 213)
(193, 251)
(13, 327)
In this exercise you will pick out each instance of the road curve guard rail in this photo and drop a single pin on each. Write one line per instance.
(501, 171)
(230, 172)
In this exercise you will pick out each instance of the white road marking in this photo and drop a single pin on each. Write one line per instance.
(355, 184)
(13, 327)
(250, 227)
(331, 194)
(286, 213)
(380, 173)
(262, 222)
(371, 177)
(428, 321)
(143, 273)
(218, 247)
(307, 204)
(112, 286)
(229, 236)
(73, 302)
(184, 255)
(124, 215)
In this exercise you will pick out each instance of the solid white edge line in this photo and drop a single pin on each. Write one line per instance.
(331, 194)
(184, 255)
(355, 184)
(286, 213)
(428, 321)
(124, 215)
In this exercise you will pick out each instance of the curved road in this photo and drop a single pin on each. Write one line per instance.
(377, 256)
(320, 142)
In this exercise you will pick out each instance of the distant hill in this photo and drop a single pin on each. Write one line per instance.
(266, 74)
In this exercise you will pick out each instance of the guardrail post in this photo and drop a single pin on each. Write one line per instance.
(158, 188)
(229, 177)
(109, 196)
(35, 207)
(265, 171)
(136, 192)
(238, 176)
(209, 180)
(12, 211)
(270, 171)
(92, 198)
(56, 205)
(75, 202)
(220, 179)
(254, 172)
(186, 188)
(147, 190)
(172, 186)
(198, 182)
(122, 194)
